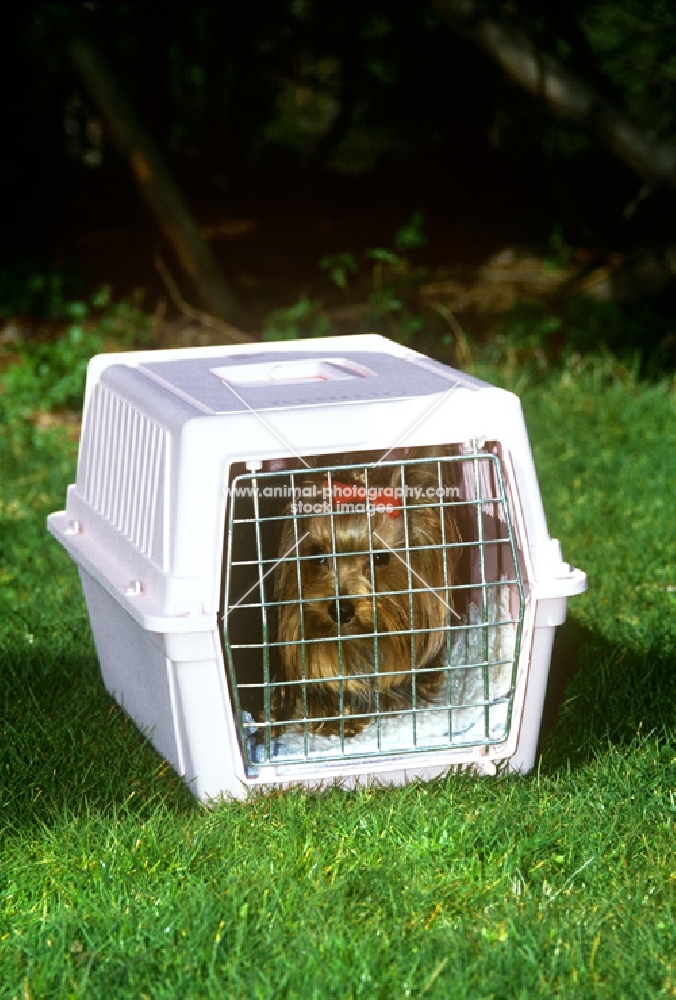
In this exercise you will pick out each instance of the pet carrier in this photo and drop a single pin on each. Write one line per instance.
(313, 561)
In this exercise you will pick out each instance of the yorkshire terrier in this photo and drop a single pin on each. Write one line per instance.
(364, 597)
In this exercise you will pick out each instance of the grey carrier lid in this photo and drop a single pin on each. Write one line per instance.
(282, 379)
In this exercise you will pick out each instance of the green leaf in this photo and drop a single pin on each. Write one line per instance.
(339, 266)
(101, 297)
(411, 236)
(302, 319)
(76, 310)
(384, 256)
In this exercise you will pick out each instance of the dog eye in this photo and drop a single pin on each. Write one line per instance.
(316, 551)
(381, 558)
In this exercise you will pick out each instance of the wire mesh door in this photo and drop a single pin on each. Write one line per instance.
(372, 608)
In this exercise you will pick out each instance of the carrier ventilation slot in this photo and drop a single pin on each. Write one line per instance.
(122, 466)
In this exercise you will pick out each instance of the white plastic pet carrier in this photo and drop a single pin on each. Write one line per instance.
(313, 561)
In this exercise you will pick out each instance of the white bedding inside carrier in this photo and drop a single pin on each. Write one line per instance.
(478, 714)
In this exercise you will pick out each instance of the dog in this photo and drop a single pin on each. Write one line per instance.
(363, 596)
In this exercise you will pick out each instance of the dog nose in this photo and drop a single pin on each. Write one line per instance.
(346, 609)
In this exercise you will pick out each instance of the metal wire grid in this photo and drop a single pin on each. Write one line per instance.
(482, 475)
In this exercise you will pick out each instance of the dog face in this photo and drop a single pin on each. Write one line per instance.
(364, 599)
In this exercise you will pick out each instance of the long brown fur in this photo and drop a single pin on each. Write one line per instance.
(345, 595)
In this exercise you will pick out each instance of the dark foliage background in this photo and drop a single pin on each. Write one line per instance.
(358, 113)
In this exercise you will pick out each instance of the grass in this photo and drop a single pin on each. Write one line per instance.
(114, 882)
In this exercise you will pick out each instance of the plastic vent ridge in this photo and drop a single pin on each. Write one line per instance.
(121, 468)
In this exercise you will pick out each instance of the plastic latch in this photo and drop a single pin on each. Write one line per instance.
(565, 584)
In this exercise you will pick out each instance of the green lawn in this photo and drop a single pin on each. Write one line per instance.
(114, 882)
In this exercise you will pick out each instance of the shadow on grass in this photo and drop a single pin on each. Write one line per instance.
(69, 750)
(600, 693)
(67, 747)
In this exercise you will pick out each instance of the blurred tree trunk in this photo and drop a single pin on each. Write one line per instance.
(154, 182)
(565, 93)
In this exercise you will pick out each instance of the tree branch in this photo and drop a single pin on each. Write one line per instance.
(566, 94)
(227, 330)
(154, 181)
